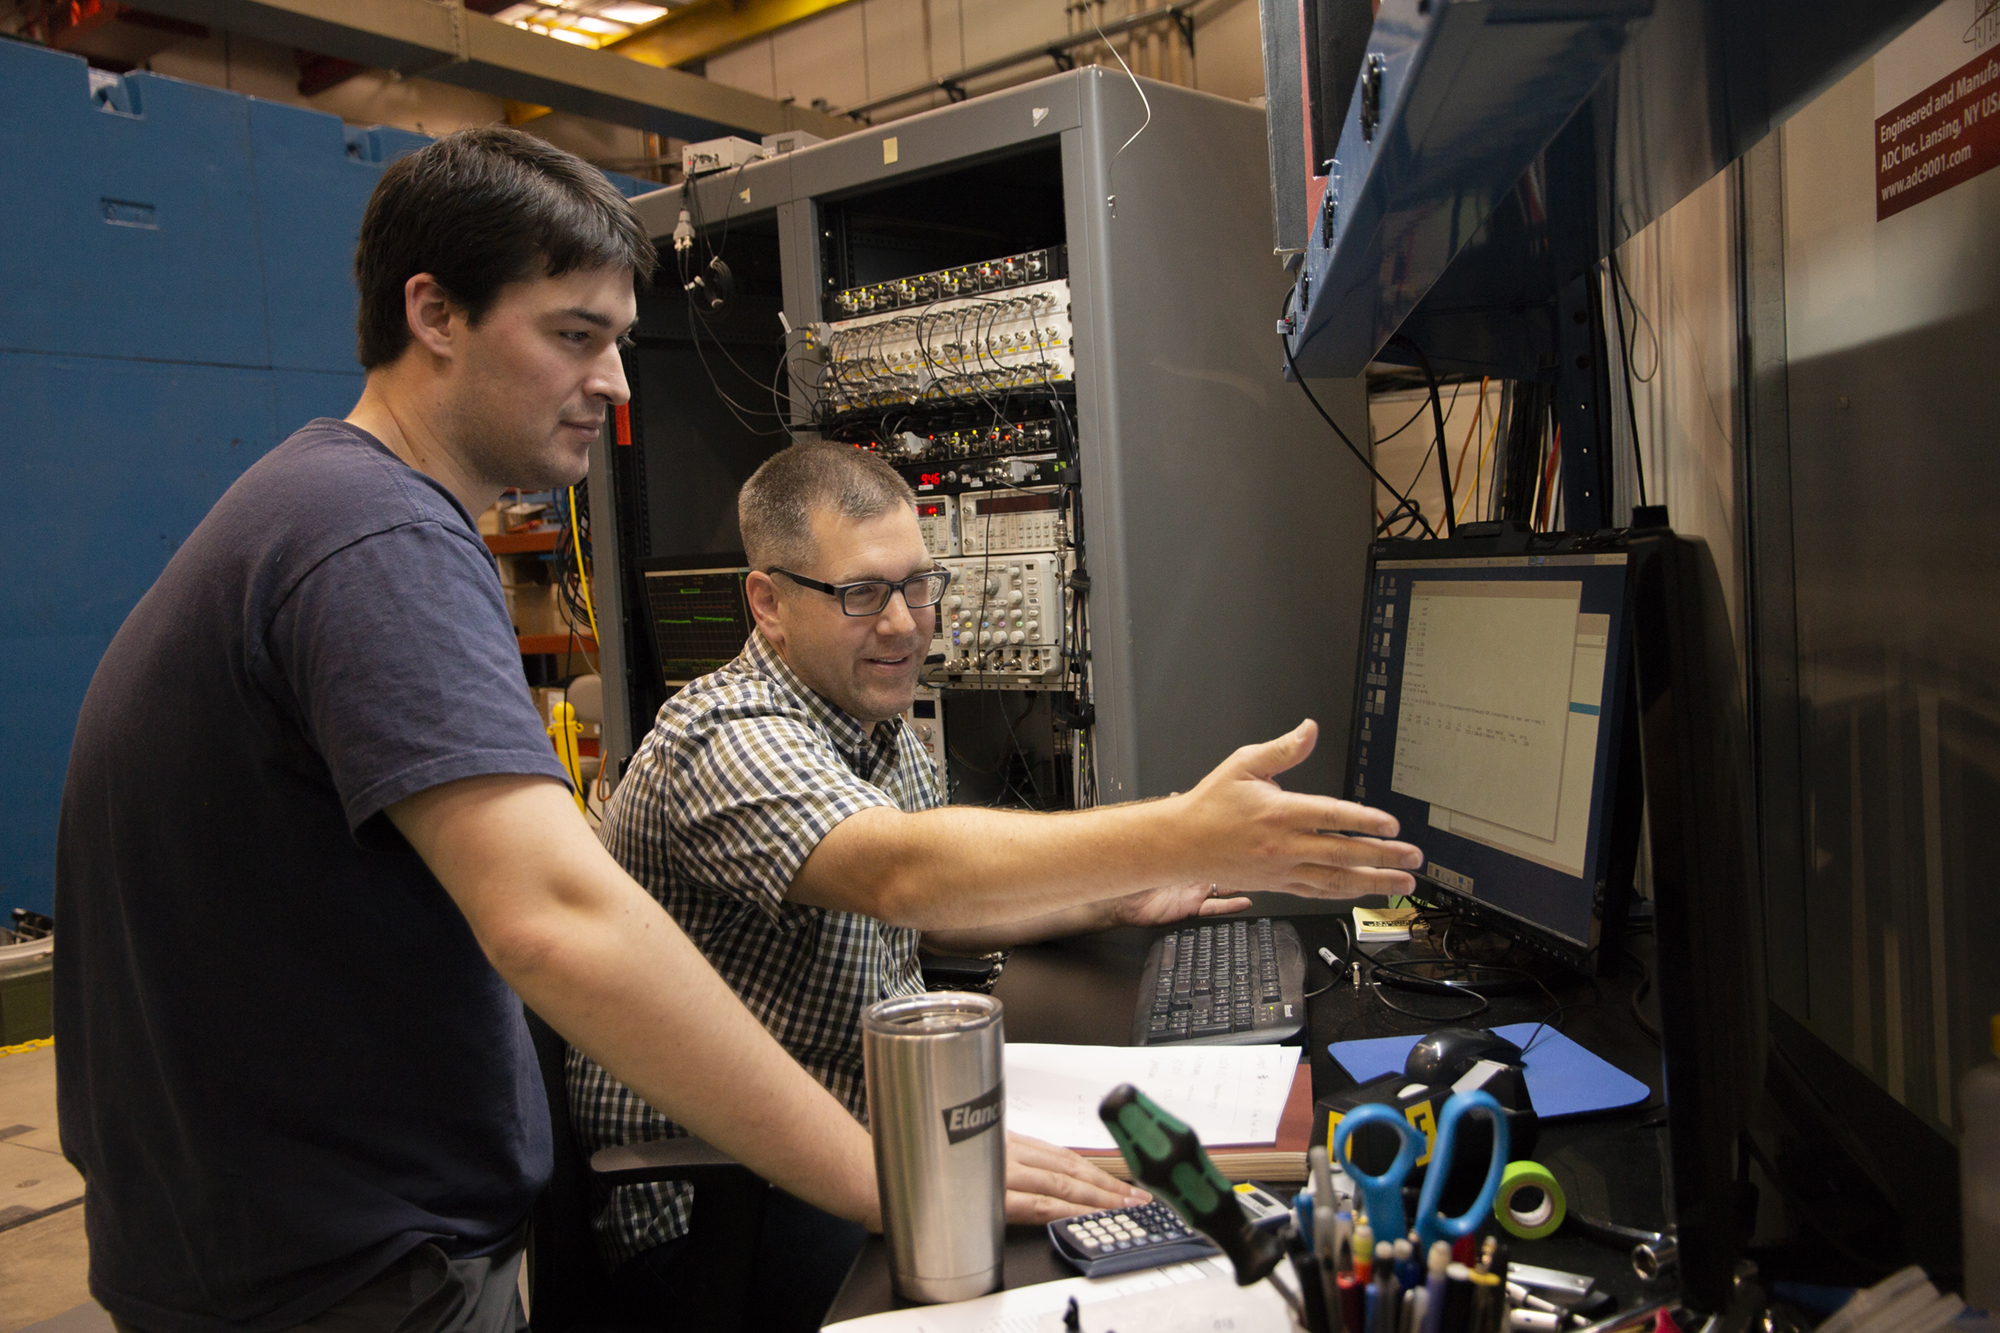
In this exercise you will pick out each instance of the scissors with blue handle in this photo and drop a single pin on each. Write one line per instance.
(1383, 1194)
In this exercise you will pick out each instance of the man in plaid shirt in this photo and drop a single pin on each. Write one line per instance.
(794, 828)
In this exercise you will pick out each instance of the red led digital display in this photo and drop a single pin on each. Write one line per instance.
(1018, 504)
(929, 478)
(935, 509)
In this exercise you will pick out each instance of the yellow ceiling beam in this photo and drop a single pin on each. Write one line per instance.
(710, 27)
(451, 44)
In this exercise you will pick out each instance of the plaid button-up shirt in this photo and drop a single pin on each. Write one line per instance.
(745, 771)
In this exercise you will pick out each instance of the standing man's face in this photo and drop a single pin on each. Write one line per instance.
(528, 394)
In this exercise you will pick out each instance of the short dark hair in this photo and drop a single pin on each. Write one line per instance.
(480, 209)
(777, 504)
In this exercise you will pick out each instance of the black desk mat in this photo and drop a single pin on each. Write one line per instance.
(1083, 991)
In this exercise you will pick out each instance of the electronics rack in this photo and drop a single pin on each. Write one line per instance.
(1095, 420)
(963, 380)
(946, 284)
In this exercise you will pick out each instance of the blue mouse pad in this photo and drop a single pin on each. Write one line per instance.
(1563, 1078)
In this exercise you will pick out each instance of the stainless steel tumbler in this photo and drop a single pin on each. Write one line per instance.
(936, 1107)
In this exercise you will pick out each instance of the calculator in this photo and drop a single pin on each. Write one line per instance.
(1152, 1235)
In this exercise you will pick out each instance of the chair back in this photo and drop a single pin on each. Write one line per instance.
(567, 1284)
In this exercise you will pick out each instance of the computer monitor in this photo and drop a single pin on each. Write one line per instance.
(1522, 697)
(1491, 718)
(696, 607)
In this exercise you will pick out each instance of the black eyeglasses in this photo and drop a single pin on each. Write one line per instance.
(871, 596)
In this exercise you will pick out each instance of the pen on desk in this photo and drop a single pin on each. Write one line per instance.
(1320, 1200)
(1527, 1300)
(1409, 1273)
(1493, 1262)
(1389, 1304)
(1305, 1272)
(1457, 1298)
(1343, 1241)
(1353, 1304)
(1324, 1224)
(1489, 1303)
(1440, 1260)
(1322, 1179)
(1364, 1249)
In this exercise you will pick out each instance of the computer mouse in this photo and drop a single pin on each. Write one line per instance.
(1442, 1058)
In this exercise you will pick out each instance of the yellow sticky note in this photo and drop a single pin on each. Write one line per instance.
(888, 150)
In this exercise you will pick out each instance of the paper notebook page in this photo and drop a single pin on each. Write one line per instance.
(1228, 1095)
(1205, 1290)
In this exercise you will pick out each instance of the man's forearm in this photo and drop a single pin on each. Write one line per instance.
(961, 869)
(632, 992)
(975, 940)
(597, 958)
(966, 868)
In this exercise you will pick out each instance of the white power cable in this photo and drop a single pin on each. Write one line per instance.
(1143, 99)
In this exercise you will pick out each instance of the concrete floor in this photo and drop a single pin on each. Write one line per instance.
(43, 1257)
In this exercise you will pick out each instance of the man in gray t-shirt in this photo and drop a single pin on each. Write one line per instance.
(312, 833)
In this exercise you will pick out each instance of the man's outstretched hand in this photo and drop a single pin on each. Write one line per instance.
(1244, 830)
(1045, 1182)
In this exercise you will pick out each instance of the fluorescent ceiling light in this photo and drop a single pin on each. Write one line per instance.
(633, 14)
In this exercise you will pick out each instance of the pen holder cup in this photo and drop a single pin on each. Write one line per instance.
(937, 1107)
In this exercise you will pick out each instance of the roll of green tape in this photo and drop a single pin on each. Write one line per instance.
(1536, 1215)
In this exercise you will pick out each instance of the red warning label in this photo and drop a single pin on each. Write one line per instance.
(1944, 136)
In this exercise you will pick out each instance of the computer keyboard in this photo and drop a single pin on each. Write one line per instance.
(1223, 983)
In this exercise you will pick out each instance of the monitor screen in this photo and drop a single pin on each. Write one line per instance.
(1488, 722)
(700, 620)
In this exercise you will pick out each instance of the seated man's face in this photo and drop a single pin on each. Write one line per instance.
(867, 665)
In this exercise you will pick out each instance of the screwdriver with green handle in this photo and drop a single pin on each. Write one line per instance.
(1167, 1158)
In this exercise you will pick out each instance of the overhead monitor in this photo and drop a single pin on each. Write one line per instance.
(1490, 720)
(699, 617)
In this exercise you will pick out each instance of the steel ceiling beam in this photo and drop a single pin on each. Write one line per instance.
(710, 27)
(446, 42)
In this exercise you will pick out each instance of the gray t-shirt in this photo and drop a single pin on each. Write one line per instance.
(283, 1060)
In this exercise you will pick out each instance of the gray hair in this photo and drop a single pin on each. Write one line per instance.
(776, 507)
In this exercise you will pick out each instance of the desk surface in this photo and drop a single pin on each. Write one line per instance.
(1083, 990)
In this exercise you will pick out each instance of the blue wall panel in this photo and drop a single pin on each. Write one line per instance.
(130, 234)
(42, 680)
(151, 349)
(301, 395)
(115, 462)
(177, 297)
(313, 176)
